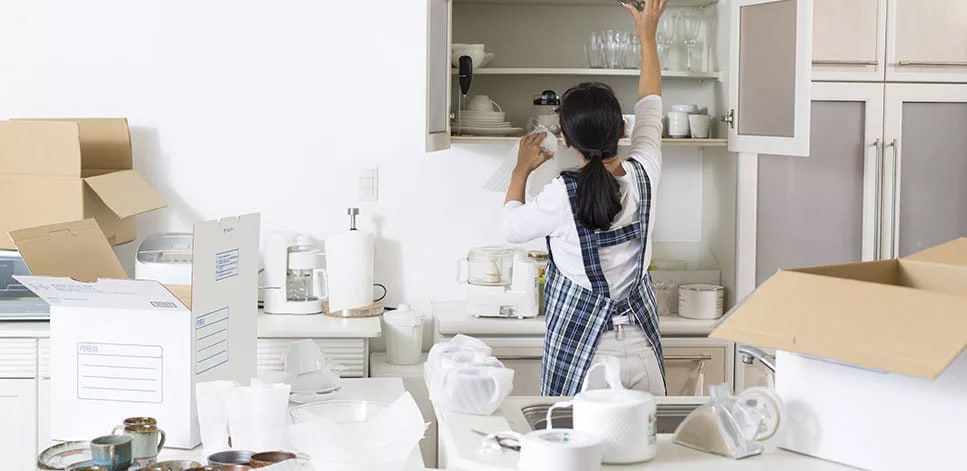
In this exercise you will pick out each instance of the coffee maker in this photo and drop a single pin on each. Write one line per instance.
(295, 280)
(502, 282)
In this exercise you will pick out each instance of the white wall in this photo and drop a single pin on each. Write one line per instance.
(239, 106)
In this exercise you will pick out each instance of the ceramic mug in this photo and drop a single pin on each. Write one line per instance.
(112, 452)
(698, 124)
(138, 421)
(481, 103)
(677, 124)
(147, 441)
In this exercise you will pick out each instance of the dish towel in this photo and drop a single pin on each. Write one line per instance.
(500, 180)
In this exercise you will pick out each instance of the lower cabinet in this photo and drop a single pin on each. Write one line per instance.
(692, 364)
(352, 353)
(18, 435)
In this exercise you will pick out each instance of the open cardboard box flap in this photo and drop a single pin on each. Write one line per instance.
(906, 316)
(125, 193)
(77, 250)
(40, 148)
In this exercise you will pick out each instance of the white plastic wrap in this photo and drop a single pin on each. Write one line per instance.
(500, 180)
(462, 376)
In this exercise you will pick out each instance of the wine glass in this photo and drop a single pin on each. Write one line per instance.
(665, 38)
(689, 25)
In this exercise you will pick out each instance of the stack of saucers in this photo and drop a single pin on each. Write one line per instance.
(483, 123)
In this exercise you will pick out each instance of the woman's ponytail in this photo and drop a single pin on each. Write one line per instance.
(598, 195)
(591, 120)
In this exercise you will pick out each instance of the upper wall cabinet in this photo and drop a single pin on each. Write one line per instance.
(927, 41)
(745, 61)
(769, 76)
(849, 40)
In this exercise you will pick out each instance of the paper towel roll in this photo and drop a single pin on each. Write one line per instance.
(559, 450)
(349, 263)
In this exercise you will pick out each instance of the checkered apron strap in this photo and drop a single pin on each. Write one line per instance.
(642, 302)
(589, 243)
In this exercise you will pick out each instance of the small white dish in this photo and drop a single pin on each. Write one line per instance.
(303, 357)
(314, 396)
(685, 108)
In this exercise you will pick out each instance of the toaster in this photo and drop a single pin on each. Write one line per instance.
(165, 258)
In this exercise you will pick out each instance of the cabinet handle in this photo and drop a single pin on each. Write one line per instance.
(934, 63)
(894, 246)
(704, 357)
(520, 357)
(878, 200)
(835, 62)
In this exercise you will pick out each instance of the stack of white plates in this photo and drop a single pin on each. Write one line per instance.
(483, 123)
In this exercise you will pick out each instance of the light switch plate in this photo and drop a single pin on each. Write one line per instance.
(368, 184)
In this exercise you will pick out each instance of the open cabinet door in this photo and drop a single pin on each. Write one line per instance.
(438, 75)
(770, 67)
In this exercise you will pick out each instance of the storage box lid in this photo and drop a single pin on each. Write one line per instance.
(75, 249)
(864, 314)
(105, 143)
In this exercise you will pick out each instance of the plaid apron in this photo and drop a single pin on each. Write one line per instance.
(577, 316)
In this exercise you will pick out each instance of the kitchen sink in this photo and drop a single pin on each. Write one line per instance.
(669, 416)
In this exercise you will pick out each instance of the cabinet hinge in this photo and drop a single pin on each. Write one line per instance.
(730, 119)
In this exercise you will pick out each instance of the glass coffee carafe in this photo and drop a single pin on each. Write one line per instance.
(305, 278)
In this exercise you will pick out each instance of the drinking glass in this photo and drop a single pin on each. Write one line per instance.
(633, 54)
(689, 25)
(665, 38)
(612, 49)
(595, 50)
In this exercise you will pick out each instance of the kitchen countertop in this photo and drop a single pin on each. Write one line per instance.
(452, 318)
(385, 390)
(269, 326)
(462, 443)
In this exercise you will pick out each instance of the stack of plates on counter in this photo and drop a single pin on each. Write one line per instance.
(483, 123)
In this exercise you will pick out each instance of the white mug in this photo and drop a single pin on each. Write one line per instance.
(698, 124)
(629, 124)
(481, 103)
(677, 124)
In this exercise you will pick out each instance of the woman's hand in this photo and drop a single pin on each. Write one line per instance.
(531, 155)
(646, 21)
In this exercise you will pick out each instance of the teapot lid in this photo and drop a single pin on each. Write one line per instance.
(548, 97)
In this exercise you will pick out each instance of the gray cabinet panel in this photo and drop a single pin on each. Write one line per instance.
(810, 210)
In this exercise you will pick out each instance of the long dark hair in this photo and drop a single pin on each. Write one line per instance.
(592, 123)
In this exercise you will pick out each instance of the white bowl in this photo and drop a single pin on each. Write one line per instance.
(467, 47)
(340, 412)
(314, 381)
(304, 356)
(685, 108)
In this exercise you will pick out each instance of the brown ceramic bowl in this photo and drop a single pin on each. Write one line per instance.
(266, 458)
(222, 467)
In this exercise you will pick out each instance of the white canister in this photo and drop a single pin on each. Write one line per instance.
(559, 450)
(678, 124)
(701, 301)
(404, 336)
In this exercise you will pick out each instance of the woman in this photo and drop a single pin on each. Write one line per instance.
(599, 298)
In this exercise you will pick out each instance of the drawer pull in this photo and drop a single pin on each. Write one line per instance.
(934, 63)
(844, 62)
(705, 357)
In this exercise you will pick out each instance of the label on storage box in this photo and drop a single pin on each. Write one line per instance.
(119, 372)
(226, 264)
(211, 340)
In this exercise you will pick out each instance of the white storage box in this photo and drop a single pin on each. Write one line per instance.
(870, 362)
(123, 348)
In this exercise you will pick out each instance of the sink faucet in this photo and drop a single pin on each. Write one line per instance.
(750, 354)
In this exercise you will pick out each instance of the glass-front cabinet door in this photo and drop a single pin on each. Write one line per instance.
(926, 164)
(825, 209)
(770, 69)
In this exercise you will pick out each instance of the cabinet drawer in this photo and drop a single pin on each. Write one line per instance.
(350, 353)
(18, 358)
(686, 358)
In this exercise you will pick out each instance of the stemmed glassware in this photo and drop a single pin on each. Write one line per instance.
(665, 38)
(689, 25)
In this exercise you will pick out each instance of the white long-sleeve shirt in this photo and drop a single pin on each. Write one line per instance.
(550, 214)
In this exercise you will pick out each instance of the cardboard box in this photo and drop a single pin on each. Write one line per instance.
(124, 348)
(54, 171)
(871, 362)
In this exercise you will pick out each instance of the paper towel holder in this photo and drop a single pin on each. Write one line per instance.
(352, 212)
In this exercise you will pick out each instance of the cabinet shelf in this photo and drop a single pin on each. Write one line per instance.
(624, 142)
(683, 74)
(590, 3)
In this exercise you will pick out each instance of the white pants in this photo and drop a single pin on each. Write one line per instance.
(639, 362)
